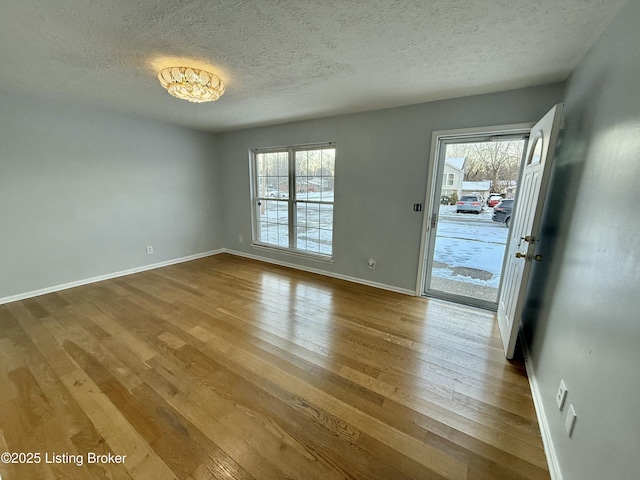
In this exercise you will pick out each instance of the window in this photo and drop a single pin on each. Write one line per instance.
(448, 179)
(293, 198)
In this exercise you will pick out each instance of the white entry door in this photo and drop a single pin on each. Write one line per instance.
(525, 224)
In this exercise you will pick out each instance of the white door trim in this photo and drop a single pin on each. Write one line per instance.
(433, 180)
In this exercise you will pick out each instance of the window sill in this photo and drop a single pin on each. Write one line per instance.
(293, 253)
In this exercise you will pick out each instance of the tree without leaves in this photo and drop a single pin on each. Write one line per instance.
(497, 162)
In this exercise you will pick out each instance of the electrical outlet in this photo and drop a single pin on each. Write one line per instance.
(561, 395)
(570, 421)
(149, 249)
(372, 264)
(239, 238)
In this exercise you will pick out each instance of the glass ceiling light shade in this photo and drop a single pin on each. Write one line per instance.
(191, 84)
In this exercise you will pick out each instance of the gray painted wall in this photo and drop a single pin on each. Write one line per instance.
(83, 192)
(583, 323)
(382, 161)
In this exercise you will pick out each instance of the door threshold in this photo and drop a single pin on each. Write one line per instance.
(460, 300)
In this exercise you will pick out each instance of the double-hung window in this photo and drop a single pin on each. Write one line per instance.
(293, 198)
(448, 179)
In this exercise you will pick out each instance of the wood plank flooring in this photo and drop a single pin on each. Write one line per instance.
(227, 368)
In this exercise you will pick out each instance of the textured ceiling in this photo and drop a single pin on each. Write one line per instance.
(287, 60)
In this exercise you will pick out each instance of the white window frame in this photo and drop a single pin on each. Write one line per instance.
(291, 200)
(450, 179)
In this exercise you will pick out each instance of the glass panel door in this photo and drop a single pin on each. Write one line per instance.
(470, 218)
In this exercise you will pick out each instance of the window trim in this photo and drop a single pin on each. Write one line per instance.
(450, 180)
(291, 200)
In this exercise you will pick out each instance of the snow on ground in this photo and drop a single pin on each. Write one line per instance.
(314, 223)
(469, 247)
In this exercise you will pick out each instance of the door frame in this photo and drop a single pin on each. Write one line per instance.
(434, 184)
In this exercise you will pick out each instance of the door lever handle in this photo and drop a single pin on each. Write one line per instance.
(524, 256)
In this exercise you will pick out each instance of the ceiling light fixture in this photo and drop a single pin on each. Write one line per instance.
(191, 84)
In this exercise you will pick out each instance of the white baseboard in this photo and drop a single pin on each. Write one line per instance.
(130, 271)
(99, 278)
(382, 286)
(545, 431)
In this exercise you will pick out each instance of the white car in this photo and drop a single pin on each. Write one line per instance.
(276, 194)
(493, 200)
(469, 203)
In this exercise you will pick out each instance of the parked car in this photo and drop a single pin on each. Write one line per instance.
(502, 212)
(493, 200)
(469, 203)
(276, 194)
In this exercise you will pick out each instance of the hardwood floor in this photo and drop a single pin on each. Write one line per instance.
(228, 368)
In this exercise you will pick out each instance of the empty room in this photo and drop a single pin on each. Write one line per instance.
(319, 240)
